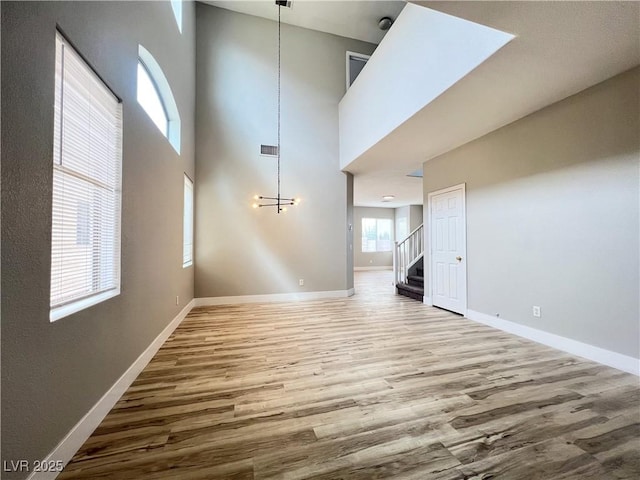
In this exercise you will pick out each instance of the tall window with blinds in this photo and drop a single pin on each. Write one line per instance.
(87, 164)
(187, 244)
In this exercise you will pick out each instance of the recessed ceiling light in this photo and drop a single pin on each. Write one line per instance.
(388, 198)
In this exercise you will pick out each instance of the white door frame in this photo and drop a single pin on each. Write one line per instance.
(462, 186)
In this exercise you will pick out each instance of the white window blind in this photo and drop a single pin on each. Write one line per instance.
(87, 161)
(187, 250)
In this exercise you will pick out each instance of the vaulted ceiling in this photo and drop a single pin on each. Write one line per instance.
(560, 49)
(353, 19)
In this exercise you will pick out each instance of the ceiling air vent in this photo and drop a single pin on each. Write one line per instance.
(269, 150)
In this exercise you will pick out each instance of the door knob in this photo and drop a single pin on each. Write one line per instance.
(459, 259)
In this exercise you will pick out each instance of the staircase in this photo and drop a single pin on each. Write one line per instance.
(408, 265)
(414, 288)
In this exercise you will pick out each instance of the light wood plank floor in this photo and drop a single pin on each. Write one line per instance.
(374, 386)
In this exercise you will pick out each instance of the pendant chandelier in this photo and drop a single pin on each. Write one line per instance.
(278, 201)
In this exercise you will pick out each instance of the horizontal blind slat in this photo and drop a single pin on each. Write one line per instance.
(85, 250)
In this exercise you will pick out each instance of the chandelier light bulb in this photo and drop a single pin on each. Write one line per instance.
(255, 205)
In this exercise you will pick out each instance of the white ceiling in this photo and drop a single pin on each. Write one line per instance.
(348, 18)
(561, 48)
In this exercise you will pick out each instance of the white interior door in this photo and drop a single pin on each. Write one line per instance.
(448, 249)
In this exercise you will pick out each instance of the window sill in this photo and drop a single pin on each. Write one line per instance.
(65, 310)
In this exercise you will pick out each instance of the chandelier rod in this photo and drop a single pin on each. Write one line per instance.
(280, 201)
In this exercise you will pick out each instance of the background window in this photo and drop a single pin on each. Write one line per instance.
(87, 159)
(187, 243)
(402, 228)
(155, 97)
(355, 64)
(149, 98)
(376, 235)
(176, 6)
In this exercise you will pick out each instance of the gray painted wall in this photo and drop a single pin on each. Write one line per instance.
(413, 214)
(553, 216)
(371, 259)
(415, 217)
(245, 251)
(53, 373)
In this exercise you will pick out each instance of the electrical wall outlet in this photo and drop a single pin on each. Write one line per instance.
(177, 300)
(536, 311)
(301, 282)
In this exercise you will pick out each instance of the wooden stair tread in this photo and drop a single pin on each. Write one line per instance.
(410, 288)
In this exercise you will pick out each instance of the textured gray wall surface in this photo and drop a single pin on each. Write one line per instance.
(245, 251)
(53, 373)
(553, 216)
(372, 259)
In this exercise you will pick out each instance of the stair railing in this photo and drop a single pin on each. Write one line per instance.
(406, 253)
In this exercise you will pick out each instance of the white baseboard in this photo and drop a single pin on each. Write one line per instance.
(351, 292)
(79, 434)
(590, 352)
(427, 301)
(275, 297)
(365, 269)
